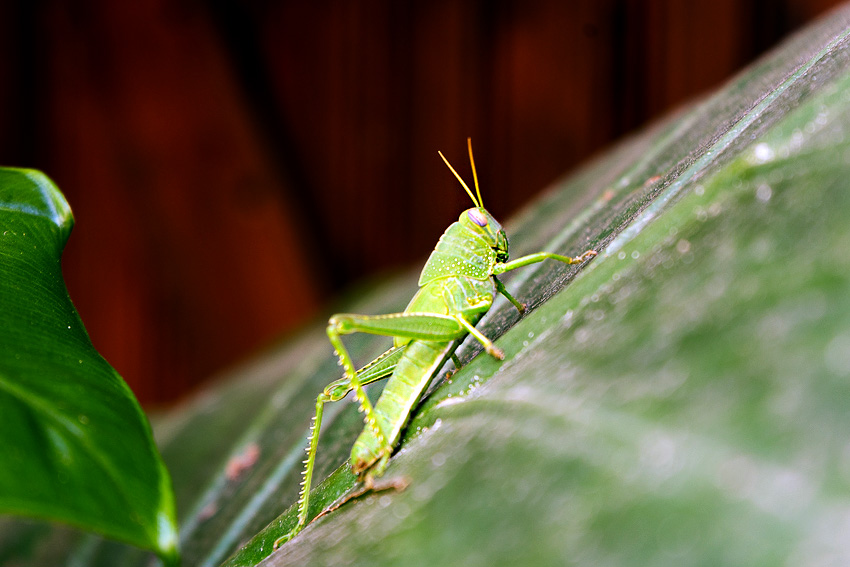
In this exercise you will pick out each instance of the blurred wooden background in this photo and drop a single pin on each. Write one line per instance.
(232, 165)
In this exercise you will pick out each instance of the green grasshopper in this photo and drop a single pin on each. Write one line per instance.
(456, 288)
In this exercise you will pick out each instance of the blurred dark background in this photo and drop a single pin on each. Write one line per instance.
(233, 165)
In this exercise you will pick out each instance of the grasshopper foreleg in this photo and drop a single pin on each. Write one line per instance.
(539, 257)
(500, 287)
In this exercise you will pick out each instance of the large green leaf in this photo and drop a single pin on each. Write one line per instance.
(74, 443)
(682, 400)
(685, 400)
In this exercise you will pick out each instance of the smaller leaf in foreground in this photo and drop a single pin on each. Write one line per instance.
(74, 443)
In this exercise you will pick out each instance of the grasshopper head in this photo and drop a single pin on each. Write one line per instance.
(478, 221)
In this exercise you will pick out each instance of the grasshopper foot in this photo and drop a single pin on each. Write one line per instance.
(368, 485)
(494, 351)
(286, 537)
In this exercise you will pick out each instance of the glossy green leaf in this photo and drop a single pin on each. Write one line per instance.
(74, 443)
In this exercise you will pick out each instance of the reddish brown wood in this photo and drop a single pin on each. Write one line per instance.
(184, 255)
(210, 151)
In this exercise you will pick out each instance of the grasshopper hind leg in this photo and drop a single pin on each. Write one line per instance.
(367, 477)
(336, 327)
(309, 465)
(379, 368)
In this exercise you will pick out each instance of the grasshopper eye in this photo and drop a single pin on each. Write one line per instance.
(477, 217)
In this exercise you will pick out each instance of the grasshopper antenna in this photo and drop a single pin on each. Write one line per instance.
(474, 175)
(465, 186)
